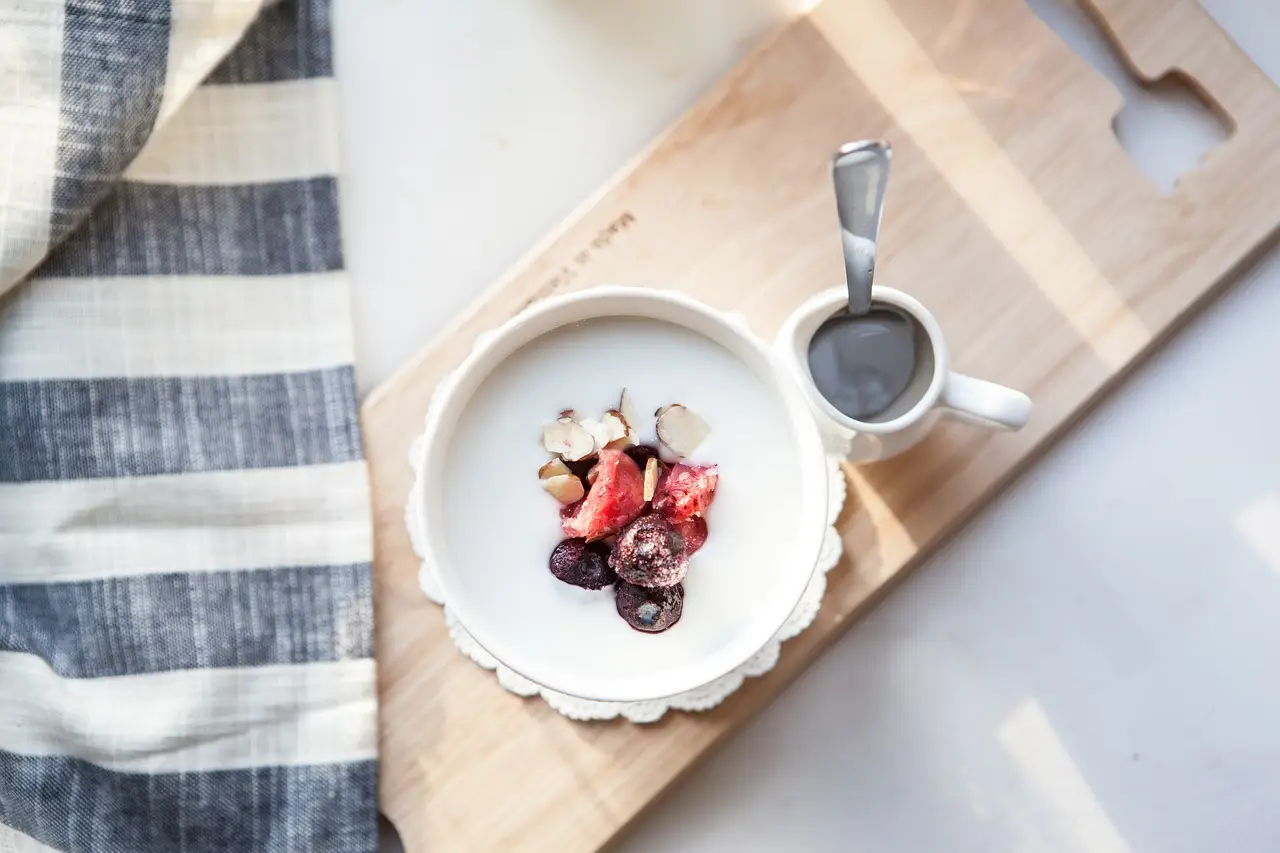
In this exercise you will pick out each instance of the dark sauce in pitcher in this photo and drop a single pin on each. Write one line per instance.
(862, 364)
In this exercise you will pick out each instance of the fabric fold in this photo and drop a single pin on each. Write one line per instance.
(70, 134)
(186, 619)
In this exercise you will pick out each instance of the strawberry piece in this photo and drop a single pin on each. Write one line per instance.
(615, 500)
(686, 492)
(694, 533)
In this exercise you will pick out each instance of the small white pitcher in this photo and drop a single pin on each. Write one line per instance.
(934, 389)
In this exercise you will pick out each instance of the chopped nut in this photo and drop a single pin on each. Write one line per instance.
(681, 429)
(565, 488)
(568, 438)
(569, 413)
(592, 474)
(651, 470)
(627, 409)
(599, 432)
(616, 431)
(554, 468)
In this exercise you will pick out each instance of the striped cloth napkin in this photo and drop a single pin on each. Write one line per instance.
(186, 643)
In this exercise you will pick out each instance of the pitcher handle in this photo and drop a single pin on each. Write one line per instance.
(985, 403)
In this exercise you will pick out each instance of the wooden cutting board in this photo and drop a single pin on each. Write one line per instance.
(1013, 213)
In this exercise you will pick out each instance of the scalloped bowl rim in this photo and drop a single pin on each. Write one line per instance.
(732, 333)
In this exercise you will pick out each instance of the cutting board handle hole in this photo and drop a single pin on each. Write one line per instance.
(1167, 126)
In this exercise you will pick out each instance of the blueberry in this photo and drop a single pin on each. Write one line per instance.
(577, 562)
(650, 610)
(650, 552)
(641, 453)
(581, 467)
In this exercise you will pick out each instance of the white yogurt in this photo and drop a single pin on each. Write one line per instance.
(501, 526)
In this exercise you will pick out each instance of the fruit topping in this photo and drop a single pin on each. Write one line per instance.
(581, 467)
(686, 492)
(649, 610)
(694, 531)
(650, 552)
(681, 429)
(642, 453)
(577, 562)
(616, 498)
(632, 518)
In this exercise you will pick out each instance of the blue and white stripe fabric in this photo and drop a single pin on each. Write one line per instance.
(186, 625)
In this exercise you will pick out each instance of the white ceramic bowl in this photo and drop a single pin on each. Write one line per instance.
(490, 527)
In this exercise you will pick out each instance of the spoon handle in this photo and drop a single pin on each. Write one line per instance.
(860, 171)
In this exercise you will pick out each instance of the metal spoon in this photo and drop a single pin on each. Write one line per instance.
(862, 360)
(860, 172)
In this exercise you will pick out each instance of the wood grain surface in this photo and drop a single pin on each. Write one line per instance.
(1013, 213)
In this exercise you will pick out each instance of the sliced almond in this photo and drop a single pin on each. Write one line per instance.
(592, 474)
(616, 431)
(662, 410)
(599, 433)
(627, 409)
(554, 468)
(569, 413)
(565, 488)
(651, 470)
(681, 429)
(568, 438)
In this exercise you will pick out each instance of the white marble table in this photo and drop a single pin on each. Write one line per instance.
(1088, 667)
